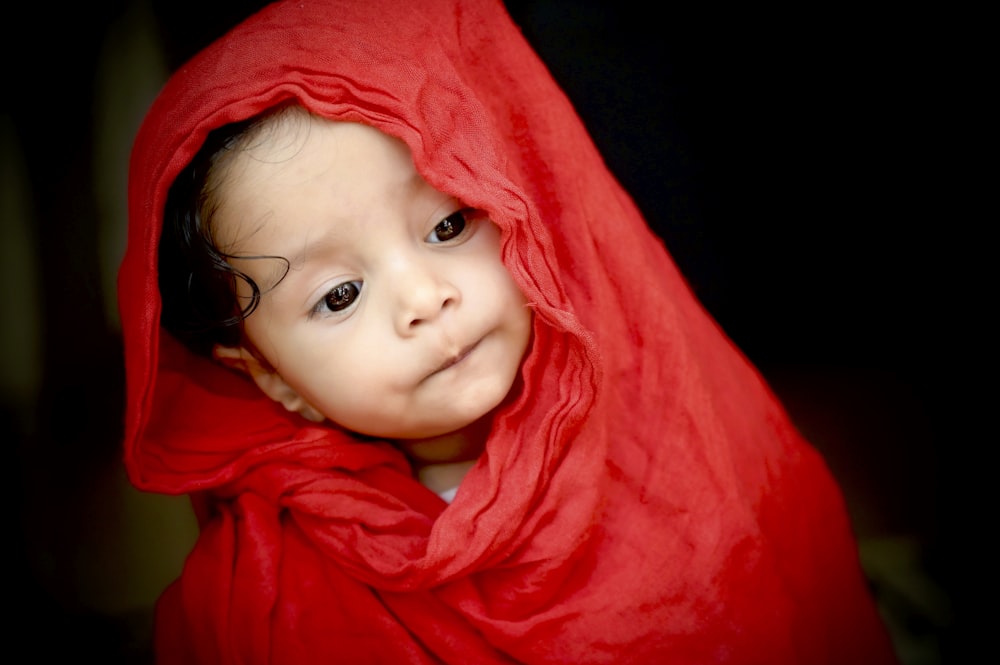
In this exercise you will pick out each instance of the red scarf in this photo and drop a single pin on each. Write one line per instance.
(644, 498)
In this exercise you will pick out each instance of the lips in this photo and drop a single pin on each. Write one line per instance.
(455, 359)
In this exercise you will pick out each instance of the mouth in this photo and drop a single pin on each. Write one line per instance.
(455, 359)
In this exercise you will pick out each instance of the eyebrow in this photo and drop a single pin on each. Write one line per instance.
(326, 241)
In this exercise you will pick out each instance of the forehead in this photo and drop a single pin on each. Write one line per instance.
(294, 148)
(295, 169)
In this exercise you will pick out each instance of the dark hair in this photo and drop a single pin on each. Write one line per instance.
(197, 284)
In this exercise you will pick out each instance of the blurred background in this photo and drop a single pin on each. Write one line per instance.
(800, 166)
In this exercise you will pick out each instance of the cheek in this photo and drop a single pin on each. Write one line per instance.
(491, 273)
(505, 285)
(342, 369)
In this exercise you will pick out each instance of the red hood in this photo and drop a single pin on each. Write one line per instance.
(644, 493)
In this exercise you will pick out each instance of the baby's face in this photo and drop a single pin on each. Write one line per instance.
(396, 318)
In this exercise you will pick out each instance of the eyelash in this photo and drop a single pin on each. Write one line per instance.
(333, 301)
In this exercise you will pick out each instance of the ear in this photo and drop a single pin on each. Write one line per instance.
(267, 379)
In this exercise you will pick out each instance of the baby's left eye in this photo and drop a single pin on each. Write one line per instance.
(449, 228)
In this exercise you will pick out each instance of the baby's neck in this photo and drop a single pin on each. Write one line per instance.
(441, 462)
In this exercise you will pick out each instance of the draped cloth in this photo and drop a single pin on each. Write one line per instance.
(643, 497)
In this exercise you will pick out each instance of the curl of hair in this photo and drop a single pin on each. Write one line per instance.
(198, 285)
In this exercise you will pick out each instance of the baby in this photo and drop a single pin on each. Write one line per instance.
(364, 295)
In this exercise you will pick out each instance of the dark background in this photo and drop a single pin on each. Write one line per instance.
(801, 166)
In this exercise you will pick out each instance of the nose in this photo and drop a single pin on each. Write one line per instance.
(422, 295)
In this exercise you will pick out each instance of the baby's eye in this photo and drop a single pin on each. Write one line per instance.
(450, 227)
(339, 297)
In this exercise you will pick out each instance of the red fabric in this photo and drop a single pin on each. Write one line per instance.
(643, 499)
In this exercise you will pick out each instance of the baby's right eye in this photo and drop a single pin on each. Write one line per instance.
(339, 297)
